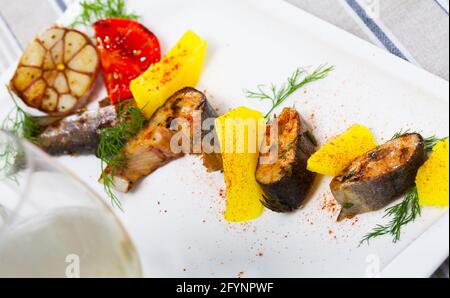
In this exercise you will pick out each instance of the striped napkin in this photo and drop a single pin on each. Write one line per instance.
(416, 31)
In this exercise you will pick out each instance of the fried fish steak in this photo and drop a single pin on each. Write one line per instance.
(77, 134)
(285, 181)
(376, 178)
(151, 148)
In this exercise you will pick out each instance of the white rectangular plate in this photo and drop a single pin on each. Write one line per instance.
(175, 215)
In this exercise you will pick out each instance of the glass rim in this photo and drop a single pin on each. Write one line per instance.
(19, 188)
(32, 153)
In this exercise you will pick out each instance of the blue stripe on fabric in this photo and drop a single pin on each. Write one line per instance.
(441, 6)
(376, 30)
(61, 4)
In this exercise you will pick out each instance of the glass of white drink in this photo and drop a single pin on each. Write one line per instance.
(52, 225)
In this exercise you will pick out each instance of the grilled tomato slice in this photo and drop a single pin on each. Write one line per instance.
(126, 49)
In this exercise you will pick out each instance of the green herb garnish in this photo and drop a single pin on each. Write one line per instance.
(402, 214)
(277, 95)
(347, 205)
(112, 140)
(20, 123)
(408, 210)
(93, 10)
(11, 158)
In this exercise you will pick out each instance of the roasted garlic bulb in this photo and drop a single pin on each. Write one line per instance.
(56, 71)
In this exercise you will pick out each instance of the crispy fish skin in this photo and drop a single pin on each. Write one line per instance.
(212, 161)
(286, 182)
(151, 149)
(77, 134)
(376, 178)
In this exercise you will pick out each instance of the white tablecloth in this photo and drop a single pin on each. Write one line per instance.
(415, 30)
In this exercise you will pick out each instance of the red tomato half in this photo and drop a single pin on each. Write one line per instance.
(126, 49)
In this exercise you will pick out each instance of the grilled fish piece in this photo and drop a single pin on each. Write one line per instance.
(286, 181)
(77, 134)
(151, 149)
(376, 178)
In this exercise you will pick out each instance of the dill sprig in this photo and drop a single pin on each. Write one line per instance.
(277, 95)
(402, 214)
(11, 158)
(93, 10)
(406, 211)
(431, 142)
(112, 140)
(20, 123)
